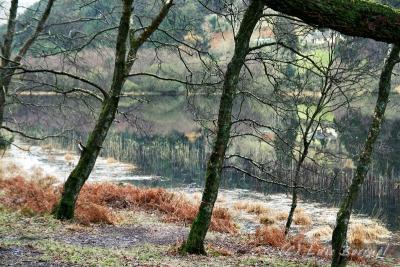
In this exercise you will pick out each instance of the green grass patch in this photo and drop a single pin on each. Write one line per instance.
(305, 112)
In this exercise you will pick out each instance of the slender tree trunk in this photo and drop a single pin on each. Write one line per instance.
(2, 103)
(6, 48)
(198, 231)
(77, 178)
(295, 188)
(7, 68)
(123, 64)
(339, 235)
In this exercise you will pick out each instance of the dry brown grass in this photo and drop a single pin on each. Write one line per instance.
(252, 207)
(97, 202)
(320, 233)
(281, 216)
(267, 218)
(69, 156)
(270, 235)
(274, 236)
(302, 218)
(20, 193)
(111, 160)
(361, 234)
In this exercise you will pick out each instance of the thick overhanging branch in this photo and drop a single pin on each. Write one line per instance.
(360, 18)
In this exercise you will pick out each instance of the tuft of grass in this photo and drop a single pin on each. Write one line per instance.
(111, 160)
(251, 207)
(320, 233)
(301, 218)
(361, 234)
(267, 219)
(69, 156)
(281, 216)
(54, 251)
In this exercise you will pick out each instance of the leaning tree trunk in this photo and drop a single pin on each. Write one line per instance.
(295, 188)
(198, 231)
(123, 64)
(75, 181)
(339, 257)
(360, 18)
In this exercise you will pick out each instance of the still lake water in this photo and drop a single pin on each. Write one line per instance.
(172, 151)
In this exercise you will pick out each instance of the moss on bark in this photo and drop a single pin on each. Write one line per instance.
(339, 236)
(355, 18)
(198, 231)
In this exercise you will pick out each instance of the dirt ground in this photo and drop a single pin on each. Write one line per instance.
(140, 240)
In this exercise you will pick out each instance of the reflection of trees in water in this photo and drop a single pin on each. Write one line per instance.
(353, 131)
(181, 161)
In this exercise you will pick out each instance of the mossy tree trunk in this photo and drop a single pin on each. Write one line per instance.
(360, 18)
(195, 241)
(339, 235)
(124, 61)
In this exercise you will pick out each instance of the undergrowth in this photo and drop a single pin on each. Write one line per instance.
(98, 202)
(274, 236)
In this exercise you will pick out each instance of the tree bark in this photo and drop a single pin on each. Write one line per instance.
(355, 18)
(198, 231)
(123, 63)
(295, 190)
(6, 54)
(339, 257)
(7, 68)
(77, 178)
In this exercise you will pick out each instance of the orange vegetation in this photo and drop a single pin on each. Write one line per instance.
(97, 202)
(274, 236)
(360, 234)
(270, 235)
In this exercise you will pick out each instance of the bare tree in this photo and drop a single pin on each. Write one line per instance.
(339, 236)
(127, 46)
(9, 63)
(195, 241)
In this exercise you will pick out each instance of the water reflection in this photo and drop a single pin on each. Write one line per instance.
(176, 149)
